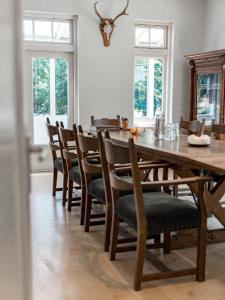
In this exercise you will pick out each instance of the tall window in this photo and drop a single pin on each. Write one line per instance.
(152, 49)
(49, 41)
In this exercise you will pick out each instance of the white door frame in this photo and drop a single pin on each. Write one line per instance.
(29, 54)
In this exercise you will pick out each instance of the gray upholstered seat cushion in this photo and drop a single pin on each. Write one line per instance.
(97, 190)
(74, 174)
(58, 163)
(164, 213)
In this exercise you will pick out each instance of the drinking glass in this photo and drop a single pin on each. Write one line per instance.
(169, 133)
(176, 129)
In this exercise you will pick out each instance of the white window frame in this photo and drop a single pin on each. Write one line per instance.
(48, 45)
(165, 54)
(153, 25)
(58, 48)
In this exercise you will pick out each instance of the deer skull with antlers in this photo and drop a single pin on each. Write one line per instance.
(107, 25)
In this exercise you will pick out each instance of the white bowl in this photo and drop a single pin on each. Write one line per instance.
(203, 140)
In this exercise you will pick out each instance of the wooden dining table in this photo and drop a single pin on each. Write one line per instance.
(185, 159)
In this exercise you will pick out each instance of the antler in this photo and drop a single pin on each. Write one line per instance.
(96, 11)
(123, 13)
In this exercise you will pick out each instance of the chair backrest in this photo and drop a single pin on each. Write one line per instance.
(68, 144)
(105, 122)
(116, 156)
(218, 131)
(64, 165)
(105, 167)
(79, 155)
(87, 144)
(89, 151)
(52, 132)
(192, 127)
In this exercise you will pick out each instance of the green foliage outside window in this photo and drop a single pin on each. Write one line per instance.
(61, 86)
(41, 86)
(140, 89)
(141, 84)
(158, 84)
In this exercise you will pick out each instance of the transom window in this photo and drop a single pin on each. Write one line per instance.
(151, 36)
(150, 71)
(48, 30)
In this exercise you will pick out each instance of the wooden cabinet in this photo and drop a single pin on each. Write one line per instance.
(207, 86)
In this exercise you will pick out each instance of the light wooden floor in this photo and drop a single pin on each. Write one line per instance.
(69, 264)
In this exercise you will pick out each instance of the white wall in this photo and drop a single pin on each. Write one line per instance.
(14, 209)
(106, 74)
(215, 25)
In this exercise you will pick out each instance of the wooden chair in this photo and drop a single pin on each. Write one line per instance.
(153, 213)
(104, 123)
(73, 172)
(107, 187)
(77, 130)
(192, 127)
(94, 185)
(52, 132)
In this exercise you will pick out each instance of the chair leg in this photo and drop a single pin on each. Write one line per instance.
(167, 243)
(114, 236)
(83, 202)
(201, 252)
(175, 187)
(140, 257)
(55, 173)
(70, 194)
(65, 180)
(87, 212)
(108, 226)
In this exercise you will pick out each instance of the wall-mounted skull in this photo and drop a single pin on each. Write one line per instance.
(107, 25)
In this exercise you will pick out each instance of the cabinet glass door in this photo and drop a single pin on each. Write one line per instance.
(208, 97)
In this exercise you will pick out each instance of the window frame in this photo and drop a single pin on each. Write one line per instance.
(48, 45)
(153, 25)
(165, 54)
(54, 49)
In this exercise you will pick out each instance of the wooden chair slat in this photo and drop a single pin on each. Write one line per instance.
(105, 122)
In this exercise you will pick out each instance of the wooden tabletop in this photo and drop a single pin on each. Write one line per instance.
(211, 157)
(103, 126)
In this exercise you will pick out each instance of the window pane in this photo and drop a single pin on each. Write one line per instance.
(157, 37)
(28, 30)
(42, 30)
(142, 35)
(150, 36)
(148, 86)
(158, 84)
(61, 32)
(61, 86)
(208, 97)
(41, 85)
(140, 87)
